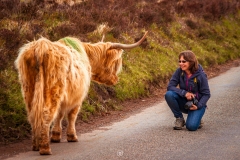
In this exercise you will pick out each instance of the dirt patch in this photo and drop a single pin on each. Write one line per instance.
(130, 107)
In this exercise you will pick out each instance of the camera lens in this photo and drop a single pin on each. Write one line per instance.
(188, 105)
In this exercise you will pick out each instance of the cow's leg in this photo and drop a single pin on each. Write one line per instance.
(71, 131)
(35, 140)
(52, 104)
(28, 97)
(35, 137)
(57, 128)
(44, 145)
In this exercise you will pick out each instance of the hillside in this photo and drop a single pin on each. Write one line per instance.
(208, 28)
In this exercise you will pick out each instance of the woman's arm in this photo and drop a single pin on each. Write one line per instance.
(204, 91)
(174, 81)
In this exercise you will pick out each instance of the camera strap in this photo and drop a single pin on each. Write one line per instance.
(195, 81)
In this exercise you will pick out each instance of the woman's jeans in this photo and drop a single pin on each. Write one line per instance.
(176, 104)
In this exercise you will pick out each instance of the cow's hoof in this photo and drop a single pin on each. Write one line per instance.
(72, 138)
(45, 149)
(45, 152)
(55, 140)
(56, 137)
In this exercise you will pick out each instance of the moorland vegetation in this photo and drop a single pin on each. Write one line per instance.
(208, 28)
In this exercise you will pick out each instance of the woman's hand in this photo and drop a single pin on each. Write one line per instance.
(189, 96)
(194, 107)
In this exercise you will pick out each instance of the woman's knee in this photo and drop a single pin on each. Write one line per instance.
(169, 94)
(191, 126)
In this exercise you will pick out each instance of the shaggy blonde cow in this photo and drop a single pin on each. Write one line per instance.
(55, 78)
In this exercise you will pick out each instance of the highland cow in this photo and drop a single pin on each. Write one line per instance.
(55, 78)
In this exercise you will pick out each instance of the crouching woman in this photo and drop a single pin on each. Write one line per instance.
(188, 84)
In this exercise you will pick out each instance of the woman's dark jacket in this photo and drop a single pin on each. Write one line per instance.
(196, 84)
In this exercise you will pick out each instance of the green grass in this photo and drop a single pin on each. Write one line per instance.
(13, 120)
(141, 66)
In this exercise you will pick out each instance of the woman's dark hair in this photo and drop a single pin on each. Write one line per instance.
(191, 58)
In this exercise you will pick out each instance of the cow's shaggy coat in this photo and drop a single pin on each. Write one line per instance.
(55, 78)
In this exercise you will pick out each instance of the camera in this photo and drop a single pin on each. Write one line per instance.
(190, 103)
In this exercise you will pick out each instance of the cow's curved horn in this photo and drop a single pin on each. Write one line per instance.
(128, 46)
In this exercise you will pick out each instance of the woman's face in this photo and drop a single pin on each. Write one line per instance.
(184, 65)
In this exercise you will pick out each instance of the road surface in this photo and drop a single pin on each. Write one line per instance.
(149, 135)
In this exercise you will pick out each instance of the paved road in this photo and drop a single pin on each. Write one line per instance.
(149, 134)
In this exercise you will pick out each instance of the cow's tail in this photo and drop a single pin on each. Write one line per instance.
(31, 63)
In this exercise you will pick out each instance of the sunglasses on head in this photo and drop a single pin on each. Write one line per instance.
(183, 61)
